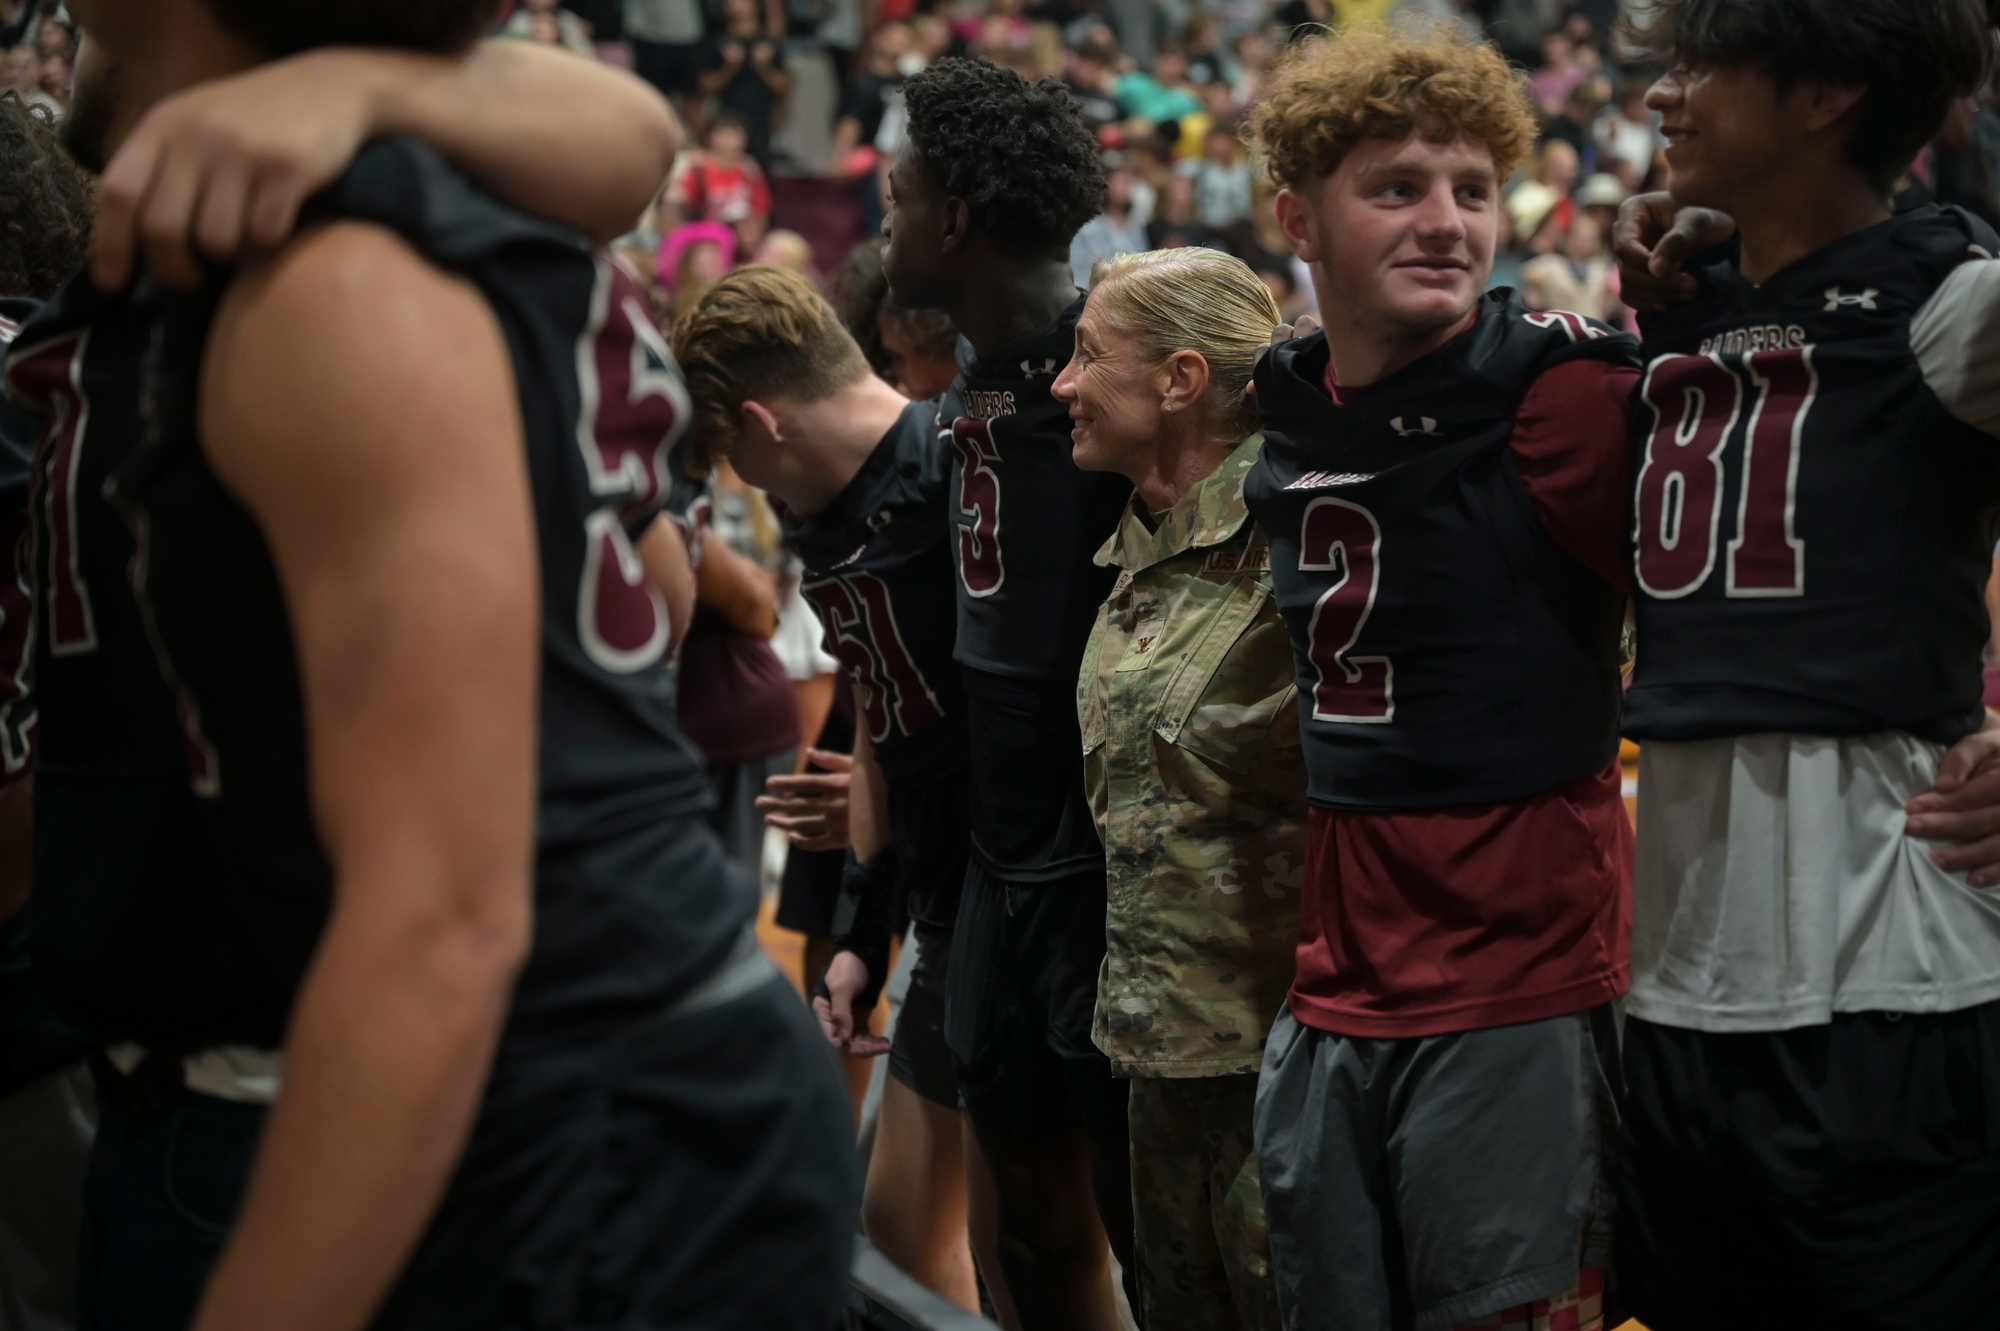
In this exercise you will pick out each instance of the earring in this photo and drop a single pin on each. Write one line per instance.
(1167, 407)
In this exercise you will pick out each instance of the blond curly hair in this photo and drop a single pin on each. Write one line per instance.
(1371, 82)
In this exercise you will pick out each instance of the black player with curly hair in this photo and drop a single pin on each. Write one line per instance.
(45, 209)
(995, 178)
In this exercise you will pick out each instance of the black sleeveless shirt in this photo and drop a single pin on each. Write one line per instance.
(633, 903)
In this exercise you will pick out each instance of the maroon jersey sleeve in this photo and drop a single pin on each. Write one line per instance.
(1573, 444)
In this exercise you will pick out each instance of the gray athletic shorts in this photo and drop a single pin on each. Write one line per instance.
(1431, 1181)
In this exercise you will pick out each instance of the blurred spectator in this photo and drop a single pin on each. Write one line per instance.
(721, 182)
(1563, 67)
(1092, 77)
(1253, 66)
(786, 249)
(18, 21)
(1509, 254)
(1577, 124)
(1577, 278)
(1535, 213)
(1173, 223)
(1600, 197)
(737, 704)
(693, 259)
(667, 49)
(21, 69)
(922, 349)
(543, 21)
(865, 138)
(1119, 229)
(1628, 134)
(1222, 179)
(1281, 279)
(741, 72)
(858, 291)
(1160, 96)
(1208, 60)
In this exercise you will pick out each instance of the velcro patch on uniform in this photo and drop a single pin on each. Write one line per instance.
(1239, 561)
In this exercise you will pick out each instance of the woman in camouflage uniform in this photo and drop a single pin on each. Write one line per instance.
(1191, 739)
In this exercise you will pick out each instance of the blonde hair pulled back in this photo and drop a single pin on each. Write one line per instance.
(1196, 300)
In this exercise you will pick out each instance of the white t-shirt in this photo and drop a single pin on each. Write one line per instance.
(1775, 883)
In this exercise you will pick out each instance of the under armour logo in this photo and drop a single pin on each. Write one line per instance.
(1047, 370)
(1834, 299)
(1429, 427)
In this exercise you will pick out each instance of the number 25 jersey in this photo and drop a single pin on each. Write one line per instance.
(1449, 651)
(1810, 516)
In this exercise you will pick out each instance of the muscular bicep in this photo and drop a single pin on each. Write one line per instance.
(361, 404)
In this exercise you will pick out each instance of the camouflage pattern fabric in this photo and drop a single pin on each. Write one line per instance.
(1204, 1254)
(1192, 753)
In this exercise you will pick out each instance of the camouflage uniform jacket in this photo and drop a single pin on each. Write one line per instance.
(1192, 753)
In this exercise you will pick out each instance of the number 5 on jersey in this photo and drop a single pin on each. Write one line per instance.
(1342, 538)
(979, 564)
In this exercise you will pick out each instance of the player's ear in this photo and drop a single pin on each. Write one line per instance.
(954, 225)
(1827, 103)
(757, 419)
(1295, 220)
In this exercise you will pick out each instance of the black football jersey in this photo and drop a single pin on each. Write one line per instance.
(1810, 534)
(33, 1043)
(1028, 521)
(1449, 651)
(121, 839)
(878, 570)
(633, 902)
(1029, 525)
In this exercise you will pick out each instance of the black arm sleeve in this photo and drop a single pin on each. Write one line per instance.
(863, 922)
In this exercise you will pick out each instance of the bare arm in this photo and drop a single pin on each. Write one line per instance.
(667, 568)
(735, 588)
(227, 165)
(362, 406)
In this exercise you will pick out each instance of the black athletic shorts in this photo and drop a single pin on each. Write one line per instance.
(693, 1171)
(1023, 988)
(918, 1055)
(1834, 1177)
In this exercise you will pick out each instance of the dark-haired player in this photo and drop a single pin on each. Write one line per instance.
(994, 180)
(44, 1088)
(1814, 1023)
(782, 390)
(527, 1068)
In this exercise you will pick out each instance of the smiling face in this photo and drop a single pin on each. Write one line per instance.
(1115, 397)
(1401, 235)
(1727, 129)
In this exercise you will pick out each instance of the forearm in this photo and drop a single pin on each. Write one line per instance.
(596, 166)
(386, 1062)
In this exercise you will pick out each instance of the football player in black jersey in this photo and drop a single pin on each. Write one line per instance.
(44, 1086)
(994, 179)
(1815, 1010)
(782, 390)
(1443, 481)
(534, 1070)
